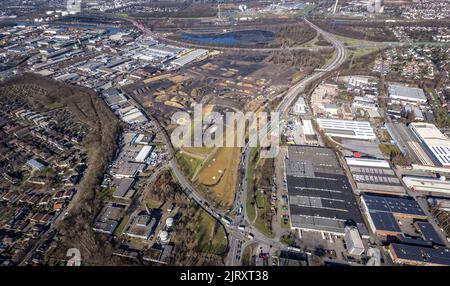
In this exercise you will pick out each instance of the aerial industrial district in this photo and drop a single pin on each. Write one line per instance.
(362, 176)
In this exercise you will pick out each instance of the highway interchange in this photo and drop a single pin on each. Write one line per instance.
(234, 256)
(238, 237)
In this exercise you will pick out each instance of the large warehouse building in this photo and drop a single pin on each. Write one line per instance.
(383, 213)
(406, 95)
(434, 142)
(419, 256)
(408, 143)
(347, 129)
(320, 196)
(374, 175)
(428, 185)
(189, 57)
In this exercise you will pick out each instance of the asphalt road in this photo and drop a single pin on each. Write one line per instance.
(282, 108)
(238, 239)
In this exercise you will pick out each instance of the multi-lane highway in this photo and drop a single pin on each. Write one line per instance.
(239, 237)
(234, 256)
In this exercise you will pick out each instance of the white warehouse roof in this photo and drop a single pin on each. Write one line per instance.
(436, 143)
(300, 106)
(347, 128)
(308, 128)
(144, 153)
(401, 92)
(376, 163)
(189, 57)
(422, 184)
(353, 241)
(35, 164)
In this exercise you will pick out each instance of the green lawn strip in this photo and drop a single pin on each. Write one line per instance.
(188, 164)
(353, 42)
(263, 210)
(207, 242)
(121, 227)
(388, 149)
(250, 208)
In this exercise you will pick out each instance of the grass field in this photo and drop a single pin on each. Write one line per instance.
(214, 170)
(209, 235)
(285, 225)
(388, 149)
(247, 256)
(153, 204)
(122, 225)
(220, 173)
(55, 105)
(250, 209)
(198, 151)
(263, 209)
(362, 52)
(288, 239)
(188, 164)
(353, 42)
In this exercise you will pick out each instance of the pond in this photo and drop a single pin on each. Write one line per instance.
(246, 37)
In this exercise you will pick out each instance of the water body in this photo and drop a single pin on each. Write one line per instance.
(24, 23)
(342, 22)
(246, 37)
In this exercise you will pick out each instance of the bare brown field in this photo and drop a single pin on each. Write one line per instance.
(198, 151)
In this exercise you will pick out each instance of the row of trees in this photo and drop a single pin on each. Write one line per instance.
(374, 33)
(294, 35)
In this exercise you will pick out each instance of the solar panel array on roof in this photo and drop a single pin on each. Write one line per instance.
(393, 204)
(385, 221)
(421, 255)
(415, 241)
(429, 233)
(375, 177)
(320, 196)
(289, 258)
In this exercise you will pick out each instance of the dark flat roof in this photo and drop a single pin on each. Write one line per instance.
(385, 221)
(420, 254)
(406, 206)
(333, 192)
(429, 233)
(374, 175)
(289, 258)
(415, 241)
(320, 195)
